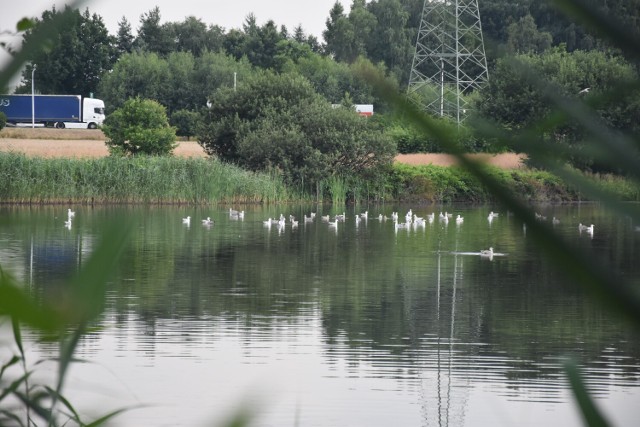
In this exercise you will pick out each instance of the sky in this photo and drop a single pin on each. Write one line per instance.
(311, 14)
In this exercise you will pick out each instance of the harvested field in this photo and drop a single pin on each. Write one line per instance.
(84, 143)
(79, 143)
(504, 160)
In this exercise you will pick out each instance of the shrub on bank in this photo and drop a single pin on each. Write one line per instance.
(140, 126)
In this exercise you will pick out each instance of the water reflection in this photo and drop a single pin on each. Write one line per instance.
(359, 317)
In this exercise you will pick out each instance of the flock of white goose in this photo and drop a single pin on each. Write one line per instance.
(411, 220)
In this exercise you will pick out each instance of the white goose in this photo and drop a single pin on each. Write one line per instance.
(207, 221)
(70, 213)
(186, 220)
(487, 252)
(459, 219)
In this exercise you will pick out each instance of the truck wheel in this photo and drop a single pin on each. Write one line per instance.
(92, 126)
(60, 125)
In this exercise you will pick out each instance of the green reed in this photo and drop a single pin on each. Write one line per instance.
(160, 180)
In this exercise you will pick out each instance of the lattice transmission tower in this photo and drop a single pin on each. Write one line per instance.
(449, 61)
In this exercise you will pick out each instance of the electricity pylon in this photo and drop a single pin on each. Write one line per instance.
(450, 61)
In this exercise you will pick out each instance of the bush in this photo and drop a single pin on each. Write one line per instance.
(140, 126)
(278, 123)
(3, 120)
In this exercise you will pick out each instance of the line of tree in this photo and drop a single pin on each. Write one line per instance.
(184, 65)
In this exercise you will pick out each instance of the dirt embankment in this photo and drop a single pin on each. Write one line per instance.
(84, 143)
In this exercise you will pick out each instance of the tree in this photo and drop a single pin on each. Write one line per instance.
(524, 37)
(261, 45)
(142, 74)
(125, 40)
(79, 54)
(154, 37)
(192, 35)
(518, 97)
(391, 41)
(185, 122)
(139, 127)
(278, 122)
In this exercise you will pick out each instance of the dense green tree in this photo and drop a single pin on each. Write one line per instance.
(261, 45)
(138, 74)
(390, 41)
(125, 38)
(524, 37)
(278, 122)
(216, 70)
(77, 56)
(518, 97)
(185, 122)
(234, 43)
(153, 36)
(140, 126)
(192, 35)
(333, 79)
(179, 81)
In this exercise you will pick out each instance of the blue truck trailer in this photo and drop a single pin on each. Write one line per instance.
(53, 110)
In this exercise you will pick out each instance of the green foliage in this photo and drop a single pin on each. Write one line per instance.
(375, 30)
(524, 37)
(279, 123)
(185, 122)
(178, 81)
(139, 127)
(73, 61)
(524, 90)
(140, 179)
(410, 140)
(65, 318)
(3, 120)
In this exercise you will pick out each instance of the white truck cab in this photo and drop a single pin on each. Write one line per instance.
(92, 112)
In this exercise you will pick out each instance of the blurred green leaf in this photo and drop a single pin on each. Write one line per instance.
(26, 52)
(590, 413)
(24, 24)
(17, 305)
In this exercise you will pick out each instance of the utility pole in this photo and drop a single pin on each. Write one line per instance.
(33, 97)
(449, 62)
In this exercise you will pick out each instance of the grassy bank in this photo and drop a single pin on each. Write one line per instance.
(438, 184)
(133, 180)
(203, 181)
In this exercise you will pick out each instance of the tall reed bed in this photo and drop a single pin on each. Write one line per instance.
(134, 180)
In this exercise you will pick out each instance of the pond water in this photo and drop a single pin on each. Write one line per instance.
(355, 325)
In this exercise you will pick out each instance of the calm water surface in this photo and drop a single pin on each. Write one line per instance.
(359, 325)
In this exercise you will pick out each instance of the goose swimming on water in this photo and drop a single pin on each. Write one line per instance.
(487, 252)
(186, 220)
